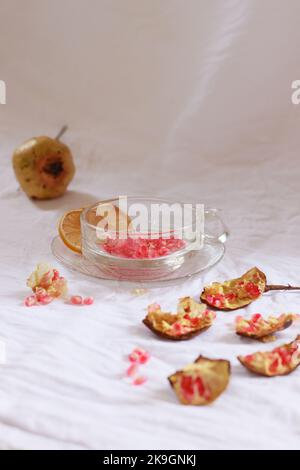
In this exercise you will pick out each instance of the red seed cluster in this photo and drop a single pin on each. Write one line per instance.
(253, 323)
(191, 385)
(252, 290)
(216, 300)
(40, 297)
(137, 357)
(138, 248)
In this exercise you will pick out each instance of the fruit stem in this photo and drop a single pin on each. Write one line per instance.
(61, 132)
(280, 287)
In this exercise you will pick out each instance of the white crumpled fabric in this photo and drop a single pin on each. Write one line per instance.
(185, 99)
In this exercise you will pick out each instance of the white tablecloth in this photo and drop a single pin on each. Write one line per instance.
(189, 100)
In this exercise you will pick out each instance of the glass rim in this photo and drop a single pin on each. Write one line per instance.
(89, 208)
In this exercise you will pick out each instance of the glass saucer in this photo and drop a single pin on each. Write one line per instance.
(196, 262)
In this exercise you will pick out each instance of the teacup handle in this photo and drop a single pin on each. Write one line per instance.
(215, 230)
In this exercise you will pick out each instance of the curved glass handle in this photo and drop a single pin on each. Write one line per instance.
(215, 229)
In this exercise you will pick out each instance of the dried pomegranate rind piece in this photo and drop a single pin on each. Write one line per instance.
(47, 278)
(235, 293)
(202, 382)
(263, 329)
(191, 319)
(280, 361)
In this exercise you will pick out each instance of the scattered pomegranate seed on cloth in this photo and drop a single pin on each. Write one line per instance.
(137, 358)
(88, 300)
(140, 380)
(47, 284)
(76, 300)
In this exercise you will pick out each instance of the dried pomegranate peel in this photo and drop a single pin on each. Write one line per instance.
(191, 319)
(46, 284)
(239, 292)
(280, 361)
(202, 382)
(263, 329)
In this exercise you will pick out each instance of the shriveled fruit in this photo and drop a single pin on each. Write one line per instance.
(280, 361)
(202, 382)
(44, 167)
(69, 230)
(191, 319)
(263, 329)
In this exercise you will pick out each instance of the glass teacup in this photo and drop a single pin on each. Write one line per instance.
(120, 248)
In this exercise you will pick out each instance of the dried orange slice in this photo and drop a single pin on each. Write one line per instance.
(69, 230)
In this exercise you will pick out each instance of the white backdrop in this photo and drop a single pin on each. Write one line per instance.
(188, 99)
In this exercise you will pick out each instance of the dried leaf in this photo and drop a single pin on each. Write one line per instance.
(202, 382)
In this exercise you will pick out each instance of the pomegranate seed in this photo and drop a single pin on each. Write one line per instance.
(187, 386)
(195, 322)
(30, 301)
(274, 365)
(133, 357)
(76, 300)
(230, 296)
(139, 380)
(250, 329)
(88, 300)
(55, 275)
(46, 299)
(139, 355)
(41, 297)
(252, 289)
(200, 386)
(40, 293)
(256, 317)
(249, 358)
(177, 326)
(132, 370)
(144, 358)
